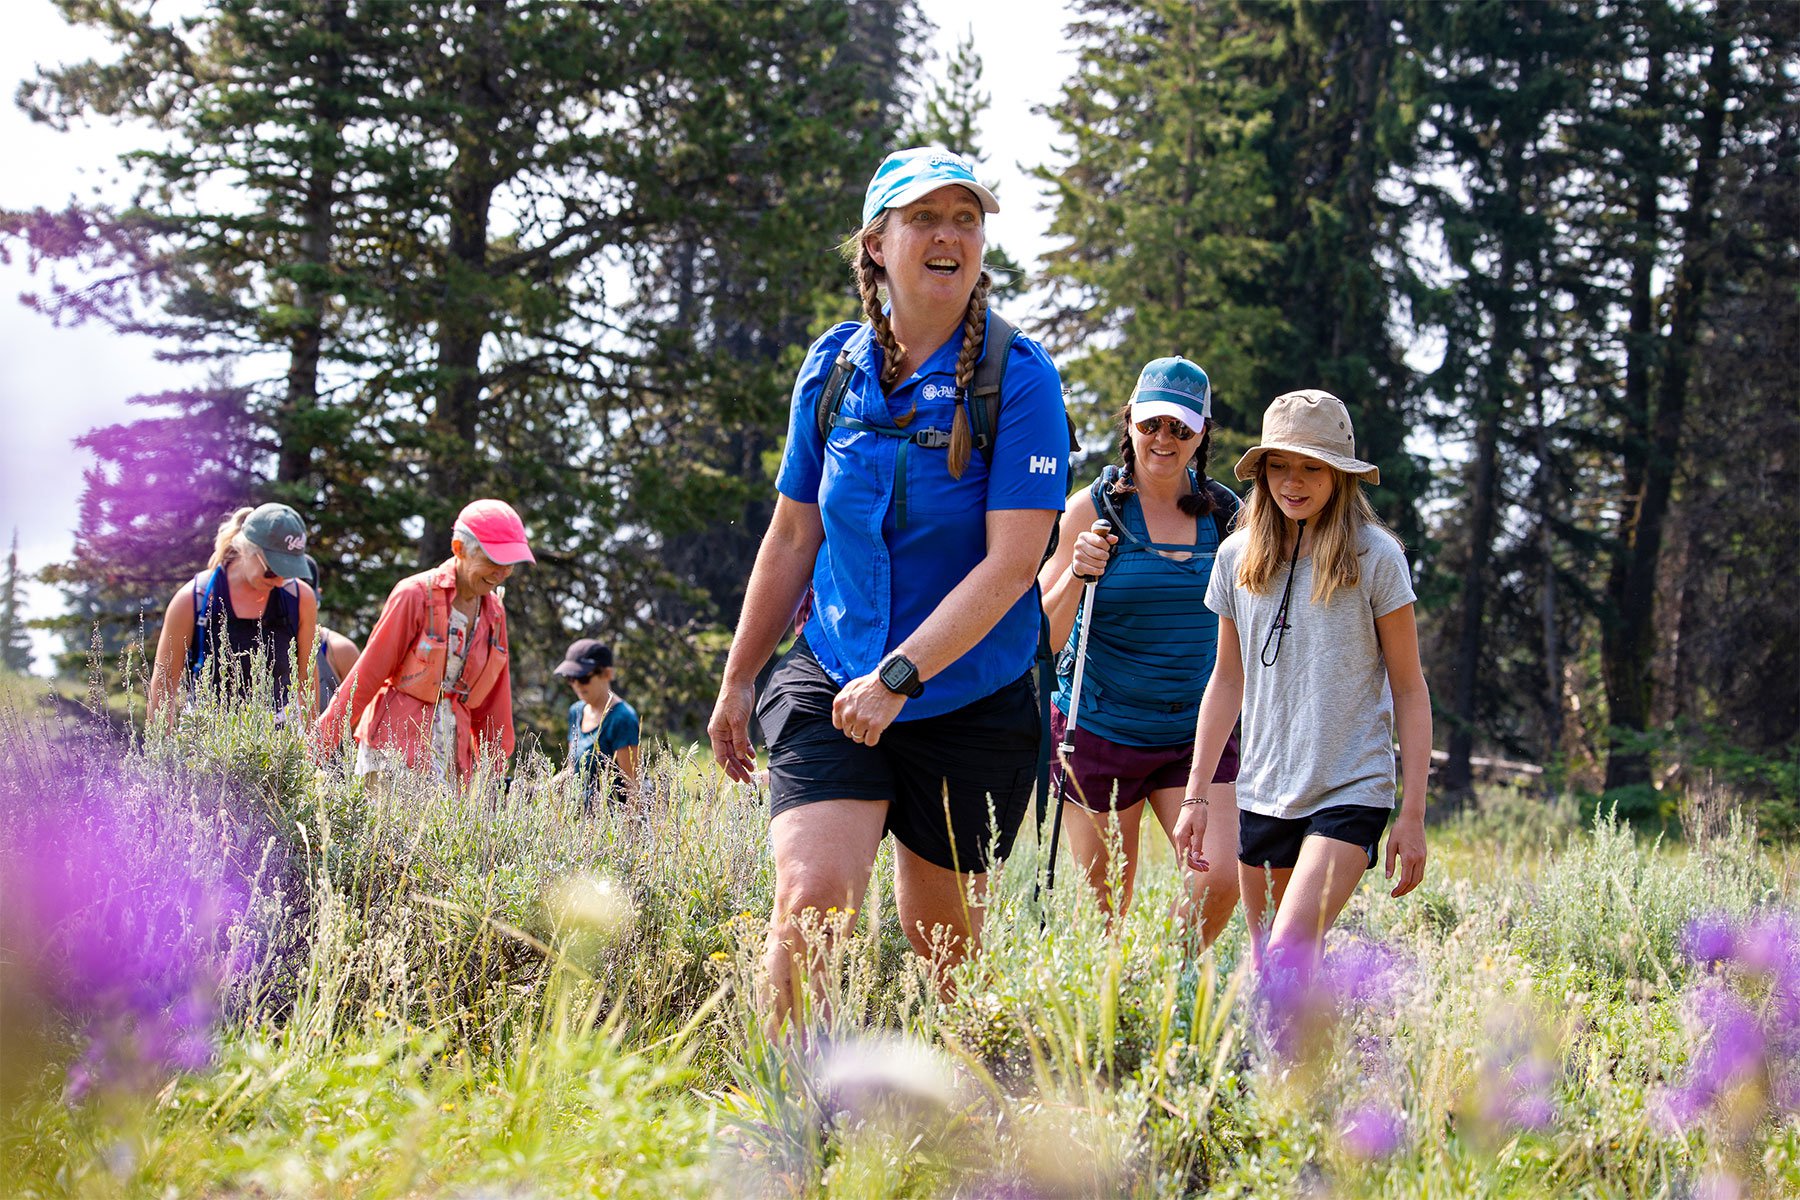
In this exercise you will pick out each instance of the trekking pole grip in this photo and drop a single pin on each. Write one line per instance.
(1102, 527)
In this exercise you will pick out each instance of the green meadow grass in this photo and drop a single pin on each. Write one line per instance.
(496, 995)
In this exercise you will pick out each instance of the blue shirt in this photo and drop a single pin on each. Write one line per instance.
(876, 578)
(591, 751)
(1153, 640)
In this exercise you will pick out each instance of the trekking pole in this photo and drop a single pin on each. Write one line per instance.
(1065, 749)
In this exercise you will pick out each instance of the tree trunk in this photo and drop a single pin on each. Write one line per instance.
(1484, 478)
(318, 229)
(453, 467)
(1633, 594)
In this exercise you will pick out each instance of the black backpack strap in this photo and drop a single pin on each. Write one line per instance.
(985, 387)
(290, 604)
(831, 396)
(1225, 508)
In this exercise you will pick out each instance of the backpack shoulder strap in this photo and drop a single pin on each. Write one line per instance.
(1104, 505)
(1225, 508)
(290, 603)
(205, 587)
(831, 396)
(990, 378)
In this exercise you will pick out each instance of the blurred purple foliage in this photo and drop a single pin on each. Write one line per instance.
(1372, 1130)
(1299, 1004)
(124, 905)
(122, 272)
(1745, 1018)
(1516, 1079)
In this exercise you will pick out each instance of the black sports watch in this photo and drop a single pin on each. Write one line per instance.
(900, 674)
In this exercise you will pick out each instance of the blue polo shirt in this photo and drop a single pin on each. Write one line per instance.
(877, 578)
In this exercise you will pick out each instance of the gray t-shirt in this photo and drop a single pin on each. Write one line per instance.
(1319, 724)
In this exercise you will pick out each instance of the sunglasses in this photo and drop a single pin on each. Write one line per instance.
(1179, 430)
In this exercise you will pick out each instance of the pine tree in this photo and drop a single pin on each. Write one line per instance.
(1505, 80)
(15, 638)
(1162, 205)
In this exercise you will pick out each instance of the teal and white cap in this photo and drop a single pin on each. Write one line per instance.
(906, 175)
(279, 533)
(1172, 387)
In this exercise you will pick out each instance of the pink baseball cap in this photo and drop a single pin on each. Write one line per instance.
(498, 528)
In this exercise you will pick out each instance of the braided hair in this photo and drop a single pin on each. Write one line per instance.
(869, 278)
(1193, 504)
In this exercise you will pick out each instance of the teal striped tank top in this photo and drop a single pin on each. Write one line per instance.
(1151, 648)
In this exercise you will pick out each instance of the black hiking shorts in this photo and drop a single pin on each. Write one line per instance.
(957, 785)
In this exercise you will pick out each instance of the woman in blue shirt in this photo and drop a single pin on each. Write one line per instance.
(1151, 640)
(907, 705)
(603, 729)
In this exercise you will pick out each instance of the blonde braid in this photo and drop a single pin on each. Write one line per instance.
(962, 439)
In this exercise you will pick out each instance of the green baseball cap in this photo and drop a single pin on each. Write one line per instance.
(278, 531)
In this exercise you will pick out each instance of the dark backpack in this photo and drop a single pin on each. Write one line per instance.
(984, 418)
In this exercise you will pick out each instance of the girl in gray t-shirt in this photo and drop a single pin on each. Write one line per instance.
(1319, 650)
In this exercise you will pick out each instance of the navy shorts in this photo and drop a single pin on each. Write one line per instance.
(1110, 775)
(1275, 841)
(939, 774)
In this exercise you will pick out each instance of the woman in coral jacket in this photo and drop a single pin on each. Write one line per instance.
(433, 688)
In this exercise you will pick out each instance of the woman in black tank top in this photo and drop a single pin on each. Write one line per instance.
(250, 603)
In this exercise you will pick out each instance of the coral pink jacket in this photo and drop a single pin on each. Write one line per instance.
(389, 695)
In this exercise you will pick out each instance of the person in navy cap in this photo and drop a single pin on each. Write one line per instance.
(603, 729)
(907, 704)
(1151, 642)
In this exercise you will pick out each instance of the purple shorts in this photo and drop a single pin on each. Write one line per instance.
(1111, 776)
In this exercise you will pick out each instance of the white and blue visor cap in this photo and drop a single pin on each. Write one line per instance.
(1172, 387)
(907, 175)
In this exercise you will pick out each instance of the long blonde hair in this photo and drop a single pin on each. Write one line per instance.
(869, 279)
(1336, 533)
(230, 541)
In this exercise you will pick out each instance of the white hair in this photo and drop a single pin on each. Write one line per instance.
(470, 542)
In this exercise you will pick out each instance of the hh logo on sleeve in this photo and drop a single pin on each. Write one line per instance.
(1041, 465)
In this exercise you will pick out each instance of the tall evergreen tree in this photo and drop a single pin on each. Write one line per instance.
(1673, 86)
(1162, 204)
(1506, 79)
(15, 638)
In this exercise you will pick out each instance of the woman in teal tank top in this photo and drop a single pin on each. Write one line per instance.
(1150, 644)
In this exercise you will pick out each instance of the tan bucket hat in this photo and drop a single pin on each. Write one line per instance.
(1314, 423)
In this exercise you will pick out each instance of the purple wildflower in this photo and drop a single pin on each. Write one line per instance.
(1718, 1185)
(1710, 939)
(1372, 1130)
(122, 916)
(1735, 1047)
(1771, 946)
(1517, 1077)
(1359, 972)
(1299, 1003)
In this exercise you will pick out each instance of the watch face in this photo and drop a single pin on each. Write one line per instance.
(898, 675)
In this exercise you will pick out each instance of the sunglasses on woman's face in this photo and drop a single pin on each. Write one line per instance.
(1180, 431)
